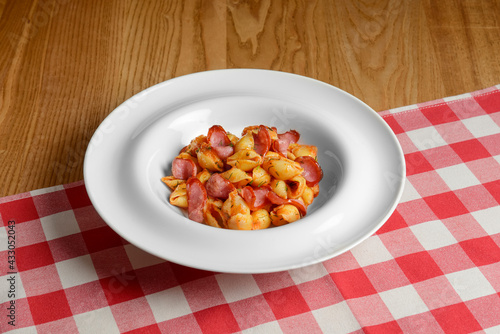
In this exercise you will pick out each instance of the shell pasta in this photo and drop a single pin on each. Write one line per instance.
(258, 180)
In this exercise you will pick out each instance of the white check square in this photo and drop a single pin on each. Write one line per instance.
(458, 176)
(236, 287)
(470, 284)
(308, 273)
(267, 328)
(371, 251)
(59, 225)
(97, 321)
(433, 234)
(409, 193)
(426, 138)
(403, 302)
(76, 271)
(481, 126)
(489, 219)
(168, 304)
(336, 319)
(139, 258)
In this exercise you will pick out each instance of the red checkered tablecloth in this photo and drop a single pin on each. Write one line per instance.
(434, 267)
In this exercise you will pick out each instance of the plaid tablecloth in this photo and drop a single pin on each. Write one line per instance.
(434, 267)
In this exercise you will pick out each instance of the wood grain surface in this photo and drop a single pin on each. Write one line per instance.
(66, 64)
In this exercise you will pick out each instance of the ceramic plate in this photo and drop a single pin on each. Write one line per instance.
(134, 147)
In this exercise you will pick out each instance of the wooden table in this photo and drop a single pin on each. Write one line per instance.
(66, 64)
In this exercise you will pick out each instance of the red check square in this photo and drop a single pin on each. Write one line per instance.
(121, 288)
(446, 205)
(393, 124)
(394, 222)
(353, 283)
(33, 256)
(187, 274)
(488, 101)
(101, 238)
(417, 163)
(156, 278)
(88, 219)
(482, 251)
(286, 302)
(419, 266)
(51, 203)
(494, 189)
(388, 327)
(470, 150)
(49, 307)
(217, 320)
(151, 329)
(439, 114)
(456, 319)
(111, 262)
(78, 197)
(20, 211)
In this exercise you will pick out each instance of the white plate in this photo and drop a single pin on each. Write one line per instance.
(133, 148)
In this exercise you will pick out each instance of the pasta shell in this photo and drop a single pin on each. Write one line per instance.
(171, 181)
(240, 222)
(284, 214)
(282, 168)
(245, 160)
(295, 186)
(179, 196)
(208, 159)
(261, 219)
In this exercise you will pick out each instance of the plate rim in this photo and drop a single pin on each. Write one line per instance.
(367, 234)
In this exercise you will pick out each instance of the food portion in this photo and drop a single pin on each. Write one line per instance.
(258, 180)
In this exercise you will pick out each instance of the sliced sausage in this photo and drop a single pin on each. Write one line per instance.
(312, 170)
(196, 198)
(183, 169)
(218, 187)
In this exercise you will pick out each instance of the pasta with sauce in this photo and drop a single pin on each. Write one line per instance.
(252, 182)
